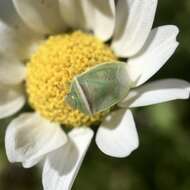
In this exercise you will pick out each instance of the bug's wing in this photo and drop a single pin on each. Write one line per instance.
(104, 85)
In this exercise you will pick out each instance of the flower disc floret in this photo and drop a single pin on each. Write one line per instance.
(52, 68)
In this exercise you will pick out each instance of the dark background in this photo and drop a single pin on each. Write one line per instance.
(162, 161)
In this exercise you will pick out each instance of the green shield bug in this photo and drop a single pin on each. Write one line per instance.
(99, 88)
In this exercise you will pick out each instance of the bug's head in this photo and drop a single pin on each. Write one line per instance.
(71, 100)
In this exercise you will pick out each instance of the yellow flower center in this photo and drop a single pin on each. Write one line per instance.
(52, 68)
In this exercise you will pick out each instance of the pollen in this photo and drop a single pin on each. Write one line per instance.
(50, 72)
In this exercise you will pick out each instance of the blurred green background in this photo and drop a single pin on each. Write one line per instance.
(162, 161)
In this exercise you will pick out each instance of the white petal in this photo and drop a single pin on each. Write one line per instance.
(159, 47)
(72, 13)
(12, 71)
(157, 92)
(42, 16)
(90, 15)
(17, 41)
(62, 166)
(12, 99)
(32, 162)
(117, 135)
(29, 137)
(76, 13)
(134, 19)
(103, 18)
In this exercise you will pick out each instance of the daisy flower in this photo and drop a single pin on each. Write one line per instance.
(44, 44)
